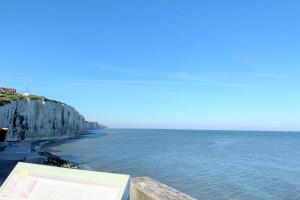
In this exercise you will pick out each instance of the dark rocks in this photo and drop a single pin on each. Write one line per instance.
(54, 160)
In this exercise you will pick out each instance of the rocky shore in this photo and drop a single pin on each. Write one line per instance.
(31, 152)
(54, 160)
(34, 152)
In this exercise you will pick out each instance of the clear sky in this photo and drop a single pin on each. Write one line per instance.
(202, 64)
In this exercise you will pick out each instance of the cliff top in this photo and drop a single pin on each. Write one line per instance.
(8, 98)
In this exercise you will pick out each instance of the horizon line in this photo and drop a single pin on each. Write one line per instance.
(192, 129)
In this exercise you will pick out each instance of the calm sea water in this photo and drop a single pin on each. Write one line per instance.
(203, 164)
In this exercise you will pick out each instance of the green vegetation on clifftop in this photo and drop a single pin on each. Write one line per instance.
(8, 98)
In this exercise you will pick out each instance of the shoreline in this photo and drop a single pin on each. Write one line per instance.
(33, 151)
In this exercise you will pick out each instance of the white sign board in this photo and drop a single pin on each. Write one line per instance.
(39, 182)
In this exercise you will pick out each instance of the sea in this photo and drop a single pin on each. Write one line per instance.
(212, 165)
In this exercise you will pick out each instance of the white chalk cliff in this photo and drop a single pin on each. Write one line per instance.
(37, 119)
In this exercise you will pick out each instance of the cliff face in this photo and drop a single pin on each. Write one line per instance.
(93, 125)
(38, 119)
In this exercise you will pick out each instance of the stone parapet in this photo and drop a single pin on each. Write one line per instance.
(145, 188)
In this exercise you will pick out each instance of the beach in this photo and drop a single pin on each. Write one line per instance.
(30, 151)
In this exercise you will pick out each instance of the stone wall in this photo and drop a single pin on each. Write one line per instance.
(145, 188)
(7, 90)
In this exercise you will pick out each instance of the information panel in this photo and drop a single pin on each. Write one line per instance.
(36, 182)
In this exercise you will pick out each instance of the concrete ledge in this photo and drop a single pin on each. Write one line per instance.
(145, 188)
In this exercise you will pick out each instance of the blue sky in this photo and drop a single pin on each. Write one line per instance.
(227, 64)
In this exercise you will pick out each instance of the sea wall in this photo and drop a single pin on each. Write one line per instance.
(34, 119)
(145, 188)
